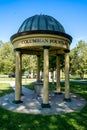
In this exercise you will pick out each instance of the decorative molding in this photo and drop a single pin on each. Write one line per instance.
(45, 32)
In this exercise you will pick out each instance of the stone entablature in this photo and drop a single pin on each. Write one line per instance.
(33, 42)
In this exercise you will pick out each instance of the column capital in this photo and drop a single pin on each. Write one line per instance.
(38, 55)
(46, 47)
(17, 49)
(58, 54)
(66, 51)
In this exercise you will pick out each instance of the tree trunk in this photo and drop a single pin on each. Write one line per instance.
(81, 76)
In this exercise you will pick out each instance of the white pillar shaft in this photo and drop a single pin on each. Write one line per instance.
(58, 74)
(38, 68)
(67, 96)
(46, 77)
(18, 77)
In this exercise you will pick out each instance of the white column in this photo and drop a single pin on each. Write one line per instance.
(18, 88)
(45, 103)
(38, 67)
(58, 88)
(67, 94)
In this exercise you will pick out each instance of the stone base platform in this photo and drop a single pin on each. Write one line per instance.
(32, 103)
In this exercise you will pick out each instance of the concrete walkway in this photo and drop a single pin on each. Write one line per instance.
(32, 103)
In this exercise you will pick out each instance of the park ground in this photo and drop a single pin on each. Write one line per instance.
(71, 121)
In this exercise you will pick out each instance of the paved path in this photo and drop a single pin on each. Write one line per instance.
(32, 103)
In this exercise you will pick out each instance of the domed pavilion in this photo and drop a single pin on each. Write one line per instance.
(42, 35)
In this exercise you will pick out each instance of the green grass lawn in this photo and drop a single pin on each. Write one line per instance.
(70, 121)
(5, 89)
(7, 79)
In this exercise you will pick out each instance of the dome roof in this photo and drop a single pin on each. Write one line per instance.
(41, 22)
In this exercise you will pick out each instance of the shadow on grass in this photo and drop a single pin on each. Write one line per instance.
(16, 121)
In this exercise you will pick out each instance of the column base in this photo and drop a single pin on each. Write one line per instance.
(58, 93)
(22, 94)
(45, 105)
(67, 99)
(17, 102)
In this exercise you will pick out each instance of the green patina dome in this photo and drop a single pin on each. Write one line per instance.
(41, 22)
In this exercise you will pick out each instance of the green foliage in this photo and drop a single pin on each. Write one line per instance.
(7, 60)
(52, 62)
(1, 43)
(29, 63)
(78, 59)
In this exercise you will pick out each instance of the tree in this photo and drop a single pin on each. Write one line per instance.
(7, 59)
(78, 59)
(29, 63)
(52, 62)
(1, 43)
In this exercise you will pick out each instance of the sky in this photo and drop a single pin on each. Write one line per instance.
(72, 14)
